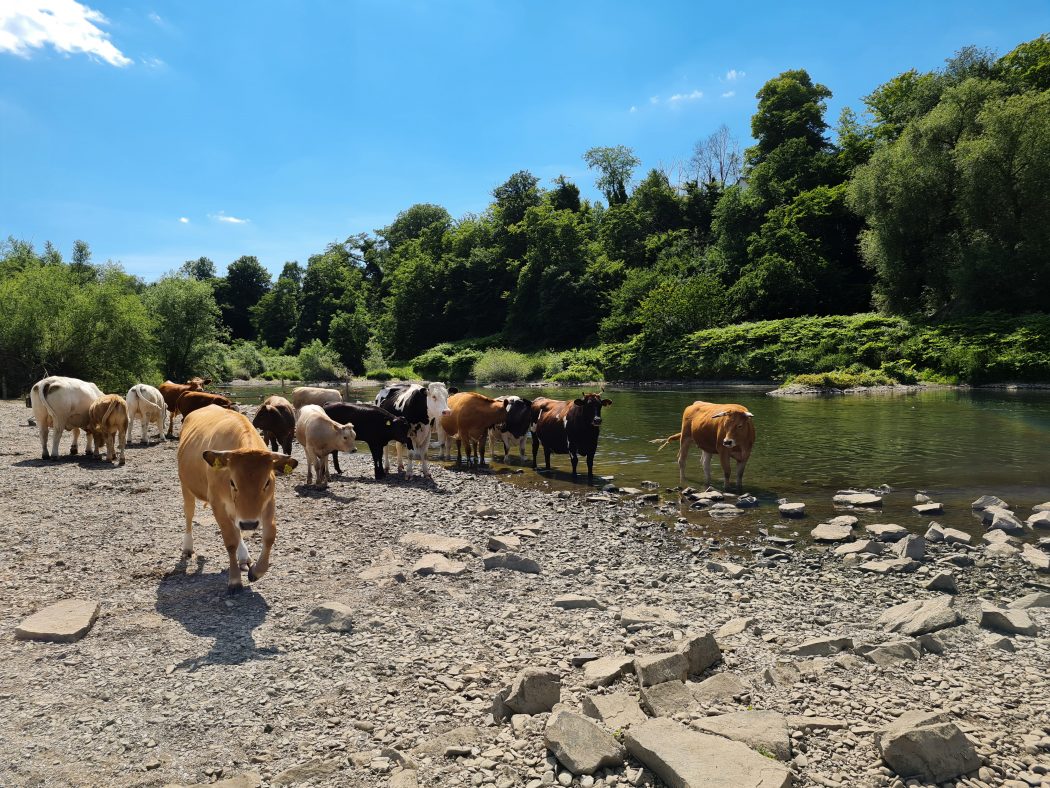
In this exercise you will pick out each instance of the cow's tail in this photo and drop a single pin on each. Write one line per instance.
(105, 416)
(664, 441)
(43, 398)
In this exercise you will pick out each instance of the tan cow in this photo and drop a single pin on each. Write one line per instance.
(725, 430)
(320, 435)
(224, 463)
(470, 417)
(108, 418)
(171, 393)
(313, 395)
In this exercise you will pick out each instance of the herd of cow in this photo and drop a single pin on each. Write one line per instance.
(230, 463)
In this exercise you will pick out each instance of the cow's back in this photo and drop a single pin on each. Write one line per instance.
(211, 428)
(550, 417)
(276, 415)
(67, 399)
(314, 395)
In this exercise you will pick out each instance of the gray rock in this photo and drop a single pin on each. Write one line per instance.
(1002, 550)
(667, 699)
(1001, 643)
(437, 564)
(955, 536)
(869, 546)
(931, 643)
(689, 759)
(926, 745)
(792, 509)
(604, 671)
(1012, 622)
(1028, 601)
(333, 616)
(1041, 507)
(886, 532)
(727, 568)
(935, 533)
(701, 652)
(535, 690)
(579, 744)
(658, 668)
(821, 647)
(1039, 520)
(63, 622)
(503, 542)
(826, 532)
(1035, 557)
(999, 537)
(782, 674)
(719, 688)
(644, 615)
(1003, 520)
(387, 567)
(858, 499)
(435, 543)
(919, 616)
(484, 510)
(889, 566)
(582, 658)
(314, 769)
(911, 546)
(890, 653)
(462, 738)
(942, 581)
(577, 602)
(922, 498)
(511, 561)
(928, 508)
(764, 731)
(734, 626)
(617, 710)
(406, 778)
(988, 502)
(844, 519)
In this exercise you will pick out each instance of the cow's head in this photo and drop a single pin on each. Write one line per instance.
(197, 383)
(345, 437)
(519, 413)
(437, 400)
(591, 406)
(249, 475)
(399, 429)
(735, 427)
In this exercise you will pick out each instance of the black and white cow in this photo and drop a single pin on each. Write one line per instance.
(515, 428)
(420, 406)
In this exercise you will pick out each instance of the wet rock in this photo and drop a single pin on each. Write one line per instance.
(604, 671)
(928, 508)
(1042, 507)
(826, 532)
(720, 687)
(331, 615)
(792, 509)
(869, 546)
(617, 710)
(644, 615)
(821, 647)
(435, 543)
(658, 668)
(503, 542)
(1039, 520)
(889, 566)
(577, 602)
(911, 546)
(919, 617)
(764, 731)
(734, 571)
(667, 699)
(1000, 519)
(926, 745)
(747, 501)
(701, 652)
(886, 532)
(988, 502)
(922, 498)
(1011, 622)
(683, 758)
(1028, 601)
(579, 744)
(437, 564)
(63, 622)
(858, 499)
(511, 561)
(942, 581)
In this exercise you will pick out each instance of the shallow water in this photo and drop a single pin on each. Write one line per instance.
(954, 445)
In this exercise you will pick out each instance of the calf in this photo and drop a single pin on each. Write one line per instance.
(515, 428)
(171, 393)
(108, 420)
(195, 400)
(420, 406)
(62, 404)
(314, 395)
(276, 419)
(224, 463)
(568, 427)
(725, 430)
(320, 435)
(373, 425)
(470, 417)
(146, 404)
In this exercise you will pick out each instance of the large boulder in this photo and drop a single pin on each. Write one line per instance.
(683, 758)
(765, 731)
(926, 745)
(658, 668)
(921, 616)
(890, 653)
(701, 652)
(1010, 622)
(826, 532)
(911, 546)
(989, 502)
(604, 671)
(534, 691)
(997, 518)
(667, 699)
(579, 744)
(1035, 557)
(1028, 601)
(720, 688)
(1039, 520)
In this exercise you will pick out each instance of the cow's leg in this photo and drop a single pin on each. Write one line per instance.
(44, 454)
(189, 503)
(122, 438)
(131, 425)
(705, 461)
(269, 536)
(309, 465)
(244, 558)
(740, 475)
(59, 428)
(171, 424)
(111, 453)
(547, 457)
(322, 469)
(683, 457)
(535, 448)
(377, 461)
(481, 447)
(459, 450)
(335, 461)
(590, 468)
(574, 458)
(726, 462)
(521, 447)
(423, 445)
(231, 537)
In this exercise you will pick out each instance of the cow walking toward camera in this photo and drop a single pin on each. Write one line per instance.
(146, 404)
(568, 427)
(320, 435)
(224, 463)
(62, 404)
(108, 422)
(725, 430)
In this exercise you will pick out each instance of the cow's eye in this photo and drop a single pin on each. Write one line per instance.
(267, 485)
(234, 486)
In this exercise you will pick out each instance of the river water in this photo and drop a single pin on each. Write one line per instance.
(953, 444)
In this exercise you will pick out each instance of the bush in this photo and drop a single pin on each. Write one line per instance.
(245, 360)
(844, 379)
(503, 365)
(443, 363)
(318, 362)
(578, 373)
(382, 375)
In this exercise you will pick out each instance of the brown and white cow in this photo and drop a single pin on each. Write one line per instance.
(61, 403)
(108, 422)
(195, 400)
(314, 395)
(171, 393)
(145, 403)
(470, 417)
(224, 463)
(568, 427)
(725, 430)
(320, 435)
(276, 419)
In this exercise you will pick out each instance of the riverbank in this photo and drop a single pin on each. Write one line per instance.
(179, 683)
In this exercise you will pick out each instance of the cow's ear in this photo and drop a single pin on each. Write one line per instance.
(206, 381)
(579, 403)
(606, 403)
(282, 463)
(217, 459)
(718, 415)
(453, 390)
(749, 414)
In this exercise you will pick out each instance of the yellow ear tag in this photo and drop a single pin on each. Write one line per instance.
(388, 423)
(287, 468)
(217, 464)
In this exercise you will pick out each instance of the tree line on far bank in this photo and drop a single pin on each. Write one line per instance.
(933, 204)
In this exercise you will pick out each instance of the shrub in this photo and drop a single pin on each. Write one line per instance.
(578, 373)
(318, 362)
(431, 363)
(382, 375)
(245, 360)
(503, 365)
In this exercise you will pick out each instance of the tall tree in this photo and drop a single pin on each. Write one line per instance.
(615, 166)
(717, 159)
(186, 320)
(245, 283)
(201, 269)
(412, 222)
(80, 264)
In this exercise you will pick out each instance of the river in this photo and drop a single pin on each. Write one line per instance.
(954, 445)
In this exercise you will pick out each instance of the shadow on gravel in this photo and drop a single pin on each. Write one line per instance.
(201, 604)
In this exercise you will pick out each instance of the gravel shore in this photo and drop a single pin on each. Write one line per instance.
(179, 683)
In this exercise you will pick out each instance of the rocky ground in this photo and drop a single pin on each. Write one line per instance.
(374, 654)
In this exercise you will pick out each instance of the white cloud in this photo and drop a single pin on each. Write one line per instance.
(678, 97)
(183, 220)
(654, 99)
(66, 25)
(733, 75)
(222, 217)
(153, 62)
(729, 94)
(156, 18)
(634, 108)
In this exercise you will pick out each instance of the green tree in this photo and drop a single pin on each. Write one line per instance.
(186, 326)
(80, 264)
(276, 316)
(657, 204)
(1027, 66)
(512, 199)
(614, 165)
(348, 337)
(332, 284)
(411, 222)
(201, 269)
(245, 283)
(565, 196)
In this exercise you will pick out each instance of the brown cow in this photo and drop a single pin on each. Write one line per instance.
(469, 419)
(108, 416)
(568, 427)
(171, 393)
(725, 430)
(223, 462)
(276, 419)
(195, 400)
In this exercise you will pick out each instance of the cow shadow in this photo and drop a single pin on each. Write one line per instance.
(559, 475)
(85, 462)
(200, 603)
(305, 490)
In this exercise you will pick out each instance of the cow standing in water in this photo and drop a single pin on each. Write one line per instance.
(419, 406)
(725, 430)
(515, 428)
(470, 417)
(568, 427)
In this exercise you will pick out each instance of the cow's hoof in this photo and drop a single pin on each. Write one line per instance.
(120, 464)
(234, 588)
(252, 577)
(187, 555)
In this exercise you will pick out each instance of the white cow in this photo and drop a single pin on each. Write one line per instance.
(420, 406)
(62, 404)
(145, 403)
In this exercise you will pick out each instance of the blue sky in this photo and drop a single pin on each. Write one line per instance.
(162, 132)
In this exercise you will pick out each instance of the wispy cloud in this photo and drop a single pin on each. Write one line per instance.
(156, 18)
(729, 94)
(153, 62)
(66, 25)
(634, 108)
(733, 75)
(680, 97)
(183, 220)
(654, 99)
(221, 216)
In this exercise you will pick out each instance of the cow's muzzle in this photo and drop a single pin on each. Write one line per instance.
(597, 421)
(729, 442)
(248, 525)
(446, 412)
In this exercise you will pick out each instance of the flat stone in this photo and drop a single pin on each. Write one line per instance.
(1041, 507)
(821, 647)
(644, 615)
(869, 546)
(684, 758)
(244, 780)
(701, 652)
(63, 622)
(511, 561)
(800, 722)
(826, 532)
(386, 568)
(928, 508)
(658, 668)
(890, 653)
(458, 738)
(667, 699)
(577, 602)
(1001, 643)
(999, 537)
(503, 542)
(844, 519)
(886, 532)
(314, 769)
(581, 658)
(719, 688)
(617, 710)
(437, 564)
(1035, 557)
(1011, 622)
(919, 616)
(485, 510)
(331, 615)
(911, 546)
(955, 536)
(435, 543)
(858, 499)
(406, 778)
(792, 509)
(535, 690)
(764, 731)
(989, 502)
(782, 674)
(603, 672)
(1002, 550)
(734, 571)
(942, 581)
(889, 566)
(579, 744)
(735, 626)
(1039, 520)
(926, 745)
(1028, 601)
(1003, 520)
